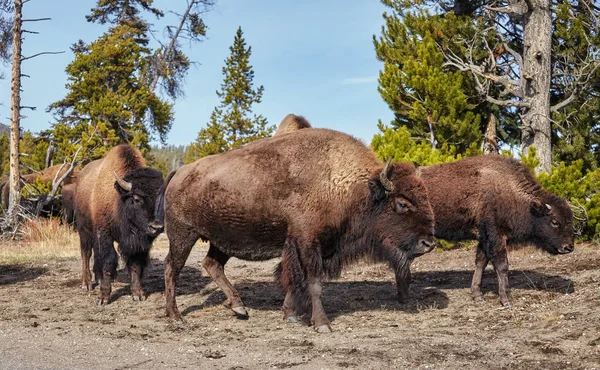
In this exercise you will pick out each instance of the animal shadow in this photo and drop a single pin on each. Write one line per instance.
(190, 280)
(339, 298)
(518, 279)
(12, 274)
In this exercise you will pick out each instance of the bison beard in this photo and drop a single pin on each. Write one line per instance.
(318, 197)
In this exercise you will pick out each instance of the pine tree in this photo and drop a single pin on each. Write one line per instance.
(106, 104)
(529, 59)
(432, 103)
(231, 123)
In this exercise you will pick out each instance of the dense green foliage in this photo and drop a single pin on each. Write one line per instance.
(232, 123)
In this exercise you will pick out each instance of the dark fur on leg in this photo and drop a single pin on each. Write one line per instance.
(290, 275)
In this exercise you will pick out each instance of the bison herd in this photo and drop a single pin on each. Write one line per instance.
(318, 199)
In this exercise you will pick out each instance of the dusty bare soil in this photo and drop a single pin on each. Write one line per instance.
(48, 322)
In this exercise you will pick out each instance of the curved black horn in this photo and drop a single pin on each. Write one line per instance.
(387, 184)
(122, 183)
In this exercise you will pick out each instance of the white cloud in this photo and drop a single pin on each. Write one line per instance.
(359, 80)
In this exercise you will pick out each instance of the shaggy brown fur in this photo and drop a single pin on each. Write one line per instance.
(497, 201)
(68, 204)
(314, 194)
(46, 175)
(291, 123)
(106, 212)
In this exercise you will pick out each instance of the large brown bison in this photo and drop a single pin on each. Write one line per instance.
(497, 201)
(291, 123)
(107, 211)
(68, 204)
(319, 196)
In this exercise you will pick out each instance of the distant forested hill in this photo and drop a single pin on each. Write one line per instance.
(168, 158)
(4, 128)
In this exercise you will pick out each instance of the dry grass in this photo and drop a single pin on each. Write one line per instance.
(41, 240)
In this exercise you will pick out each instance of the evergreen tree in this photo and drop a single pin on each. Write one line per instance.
(231, 123)
(106, 104)
(529, 59)
(432, 103)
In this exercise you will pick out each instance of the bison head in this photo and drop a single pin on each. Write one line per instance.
(403, 215)
(137, 195)
(552, 225)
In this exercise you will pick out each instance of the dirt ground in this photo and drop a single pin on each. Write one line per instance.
(48, 322)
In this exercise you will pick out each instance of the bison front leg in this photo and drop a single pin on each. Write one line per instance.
(403, 280)
(481, 262)
(109, 261)
(180, 246)
(214, 264)
(136, 265)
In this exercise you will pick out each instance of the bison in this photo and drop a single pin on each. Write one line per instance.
(291, 123)
(68, 204)
(497, 201)
(46, 175)
(107, 211)
(319, 197)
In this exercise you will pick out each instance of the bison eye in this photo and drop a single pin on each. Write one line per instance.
(555, 223)
(137, 199)
(401, 207)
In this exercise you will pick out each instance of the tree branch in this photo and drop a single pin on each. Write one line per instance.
(36, 20)
(42, 53)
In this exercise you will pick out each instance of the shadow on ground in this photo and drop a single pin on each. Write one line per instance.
(12, 274)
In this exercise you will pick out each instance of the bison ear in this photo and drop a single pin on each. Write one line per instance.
(538, 208)
(378, 192)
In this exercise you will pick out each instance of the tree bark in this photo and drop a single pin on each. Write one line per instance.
(15, 180)
(537, 36)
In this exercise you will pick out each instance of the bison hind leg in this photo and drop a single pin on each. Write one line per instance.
(214, 264)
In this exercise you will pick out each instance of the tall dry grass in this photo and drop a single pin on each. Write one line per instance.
(41, 239)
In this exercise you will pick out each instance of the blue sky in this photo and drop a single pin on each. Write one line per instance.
(314, 58)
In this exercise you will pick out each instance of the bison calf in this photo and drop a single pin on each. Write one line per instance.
(497, 201)
(319, 196)
(114, 201)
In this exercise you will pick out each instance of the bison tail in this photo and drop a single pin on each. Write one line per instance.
(159, 208)
(290, 276)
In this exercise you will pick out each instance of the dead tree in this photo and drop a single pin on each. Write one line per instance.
(490, 143)
(12, 219)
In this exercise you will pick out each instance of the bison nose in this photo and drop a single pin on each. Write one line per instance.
(155, 228)
(566, 248)
(426, 245)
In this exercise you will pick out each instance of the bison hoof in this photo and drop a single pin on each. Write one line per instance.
(507, 305)
(293, 320)
(478, 298)
(323, 329)
(138, 298)
(240, 312)
(101, 301)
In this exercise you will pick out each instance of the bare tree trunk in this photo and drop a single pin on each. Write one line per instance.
(490, 144)
(431, 123)
(537, 35)
(15, 180)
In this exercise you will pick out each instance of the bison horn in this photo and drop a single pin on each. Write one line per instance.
(122, 183)
(387, 184)
(549, 207)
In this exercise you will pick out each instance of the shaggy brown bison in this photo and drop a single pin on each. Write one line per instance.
(319, 196)
(46, 175)
(107, 211)
(291, 123)
(68, 204)
(497, 201)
